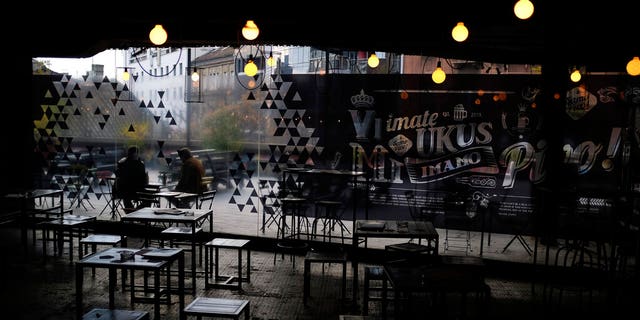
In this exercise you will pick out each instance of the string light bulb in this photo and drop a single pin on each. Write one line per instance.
(373, 60)
(250, 30)
(575, 75)
(195, 77)
(523, 9)
(438, 74)
(460, 32)
(633, 66)
(250, 69)
(158, 35)
(125, 75)
(271, 61)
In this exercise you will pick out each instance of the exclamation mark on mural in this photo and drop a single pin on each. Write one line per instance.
(614, 145)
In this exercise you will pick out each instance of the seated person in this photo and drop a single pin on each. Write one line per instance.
(131, 177)
(191, 174)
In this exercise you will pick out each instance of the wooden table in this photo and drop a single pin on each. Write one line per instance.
(364, 229)
(193, 218)
(147, 259)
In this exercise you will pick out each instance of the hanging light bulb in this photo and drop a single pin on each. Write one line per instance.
(250, 30)
(575, 75)
(158, 35)
(633, 66)
(195, 77)
(270, 61)
(125, 75)
(438, 74)
(523, 9)
(250, 69)
(373, 60)
(460, 32)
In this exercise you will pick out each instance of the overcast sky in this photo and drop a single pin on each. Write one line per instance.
(111, 59)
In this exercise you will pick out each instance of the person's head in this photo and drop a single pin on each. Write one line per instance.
(184, 153)
(132, 152)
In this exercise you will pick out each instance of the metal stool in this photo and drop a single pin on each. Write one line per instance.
(375, 273)
(217, 307)
(329, 219)
(323, 257)
(115, 314)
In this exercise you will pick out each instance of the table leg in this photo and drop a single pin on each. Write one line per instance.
(240, 268)
(307, 284)
(181, 285)
(248, 264)
(344, 280)
(156, 294)
(354, 265)
(193, 256)
(79, 281)
(215, 277)
(112, 287)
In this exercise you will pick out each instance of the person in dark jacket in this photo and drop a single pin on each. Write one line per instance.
(191, 175)
(131, 177)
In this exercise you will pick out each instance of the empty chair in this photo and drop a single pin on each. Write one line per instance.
(205, 196)
(271, 209)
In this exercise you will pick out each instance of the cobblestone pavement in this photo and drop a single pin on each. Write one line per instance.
(32, 288)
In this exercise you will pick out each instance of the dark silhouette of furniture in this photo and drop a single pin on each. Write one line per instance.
(218, 307)
(323, 257)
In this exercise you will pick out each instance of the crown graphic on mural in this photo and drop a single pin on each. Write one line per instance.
(362, 100)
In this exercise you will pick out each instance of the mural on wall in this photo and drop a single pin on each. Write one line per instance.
(477, 138)
(473, 138)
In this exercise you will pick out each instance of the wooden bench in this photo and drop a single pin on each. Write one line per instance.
(218, 307)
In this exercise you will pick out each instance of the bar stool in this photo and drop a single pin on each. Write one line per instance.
(94, 240)
(212, 278)
(296, 208)
(329, 219)
(182, 237)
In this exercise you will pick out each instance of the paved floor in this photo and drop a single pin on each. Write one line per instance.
(34, 289)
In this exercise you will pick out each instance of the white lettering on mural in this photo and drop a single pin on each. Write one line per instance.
(416, 121)
(537, 173)
(516, 157)
(437, 140)
(433, 141)
(584, 155)
(451, 164)
(361, 123)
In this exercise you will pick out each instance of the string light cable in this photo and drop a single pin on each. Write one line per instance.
(136, 54)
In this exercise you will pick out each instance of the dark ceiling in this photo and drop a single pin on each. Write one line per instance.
(603, 36)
